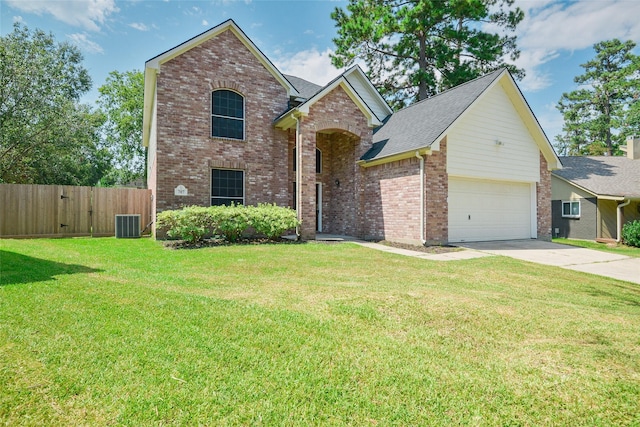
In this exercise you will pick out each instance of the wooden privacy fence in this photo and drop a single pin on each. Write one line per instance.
(64, 210)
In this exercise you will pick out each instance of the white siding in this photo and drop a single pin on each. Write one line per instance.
(364, 90)
(472, 150)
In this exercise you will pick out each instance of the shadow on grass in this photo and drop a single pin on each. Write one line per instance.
(17, 268)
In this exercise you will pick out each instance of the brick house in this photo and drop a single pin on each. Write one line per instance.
(223, 125)
(592, 197)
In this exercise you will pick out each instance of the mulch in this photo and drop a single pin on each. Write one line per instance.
(210, 243)
(215, 242)
(435, 249)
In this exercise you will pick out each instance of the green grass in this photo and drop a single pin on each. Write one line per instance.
(125, 332)
(616, 248)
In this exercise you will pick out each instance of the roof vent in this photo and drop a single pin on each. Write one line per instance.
(127, 226)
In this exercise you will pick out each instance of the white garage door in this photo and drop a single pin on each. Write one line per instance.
(481, 210)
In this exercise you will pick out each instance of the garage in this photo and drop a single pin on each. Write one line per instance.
(482, 210)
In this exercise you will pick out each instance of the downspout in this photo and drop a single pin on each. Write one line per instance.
(298, 175)
(619, 220)
(422, 199)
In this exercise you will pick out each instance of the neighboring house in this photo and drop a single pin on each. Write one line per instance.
(223, 125)
(593, 196)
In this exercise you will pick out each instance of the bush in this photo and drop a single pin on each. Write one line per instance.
(231, 221)
(631, 233)
(193, 223)
(190, 224)
(272, 221)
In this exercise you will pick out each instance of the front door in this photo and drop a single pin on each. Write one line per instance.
(319, 207)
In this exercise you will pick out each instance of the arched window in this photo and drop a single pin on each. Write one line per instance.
(318, 160)
(227, 114)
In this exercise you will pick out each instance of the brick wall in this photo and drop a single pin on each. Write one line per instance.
(392, 201)
(543, 196)
(392, 196)
(437, 191)
(340, 130)
(186, 152)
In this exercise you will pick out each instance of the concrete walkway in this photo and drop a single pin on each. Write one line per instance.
(570, 257)
(601, 263)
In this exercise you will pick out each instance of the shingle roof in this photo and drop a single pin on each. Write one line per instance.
(603, 175)
(420, 124)
(304, 87)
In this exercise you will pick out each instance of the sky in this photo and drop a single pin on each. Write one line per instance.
(554, 38)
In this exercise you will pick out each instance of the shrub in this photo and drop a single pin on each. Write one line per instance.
(231, 221)
(271, 220)
(631, 233)
(166, 222)
(190, 224)
(193, 223)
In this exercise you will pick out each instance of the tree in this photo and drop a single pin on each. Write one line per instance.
(122, 101)
(46, 136)
(604, 109)
(414, 49)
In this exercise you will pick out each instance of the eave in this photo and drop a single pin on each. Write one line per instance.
(395, 157)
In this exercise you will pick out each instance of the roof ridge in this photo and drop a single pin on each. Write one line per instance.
(461, 85)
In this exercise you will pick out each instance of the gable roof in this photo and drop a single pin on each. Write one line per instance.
(153, 65)
(359, 88)
(425, 123)
(305, 88)
(604, 176)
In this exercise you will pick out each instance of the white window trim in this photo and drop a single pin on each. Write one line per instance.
(243, 119)
(570, 202)
(244, 183)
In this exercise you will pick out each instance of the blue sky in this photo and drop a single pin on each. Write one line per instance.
(555, 37)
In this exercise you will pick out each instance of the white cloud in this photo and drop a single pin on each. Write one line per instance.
(552, 28)
(88, 14)
(18, 19)
(310, 65)
(205, 22)
(82, 41)
(551, 121)
(139, 26)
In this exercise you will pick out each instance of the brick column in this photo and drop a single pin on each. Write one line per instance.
(437, 191)
(543, 197)
(308, 182)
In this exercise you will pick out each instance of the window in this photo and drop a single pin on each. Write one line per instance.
(227, 114)
(227, 186)
(571, 209)
(318, 160)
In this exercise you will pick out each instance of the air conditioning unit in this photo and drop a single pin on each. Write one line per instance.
(127, 226)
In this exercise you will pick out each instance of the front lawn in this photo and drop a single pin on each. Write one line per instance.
(126, 332)
(615, 248)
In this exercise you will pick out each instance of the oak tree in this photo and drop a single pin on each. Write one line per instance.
(46, 135)
(122, 100)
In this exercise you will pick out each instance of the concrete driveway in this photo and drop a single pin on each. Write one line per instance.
(570, 257)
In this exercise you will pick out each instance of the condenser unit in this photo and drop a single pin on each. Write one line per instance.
(127, 226)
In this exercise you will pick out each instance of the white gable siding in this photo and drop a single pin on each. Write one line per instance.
(472, 150)
(364, 90)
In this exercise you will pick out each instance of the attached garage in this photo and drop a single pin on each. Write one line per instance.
(482, 210)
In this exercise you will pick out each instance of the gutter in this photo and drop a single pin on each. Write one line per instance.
(619, 219)
(422, 199)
